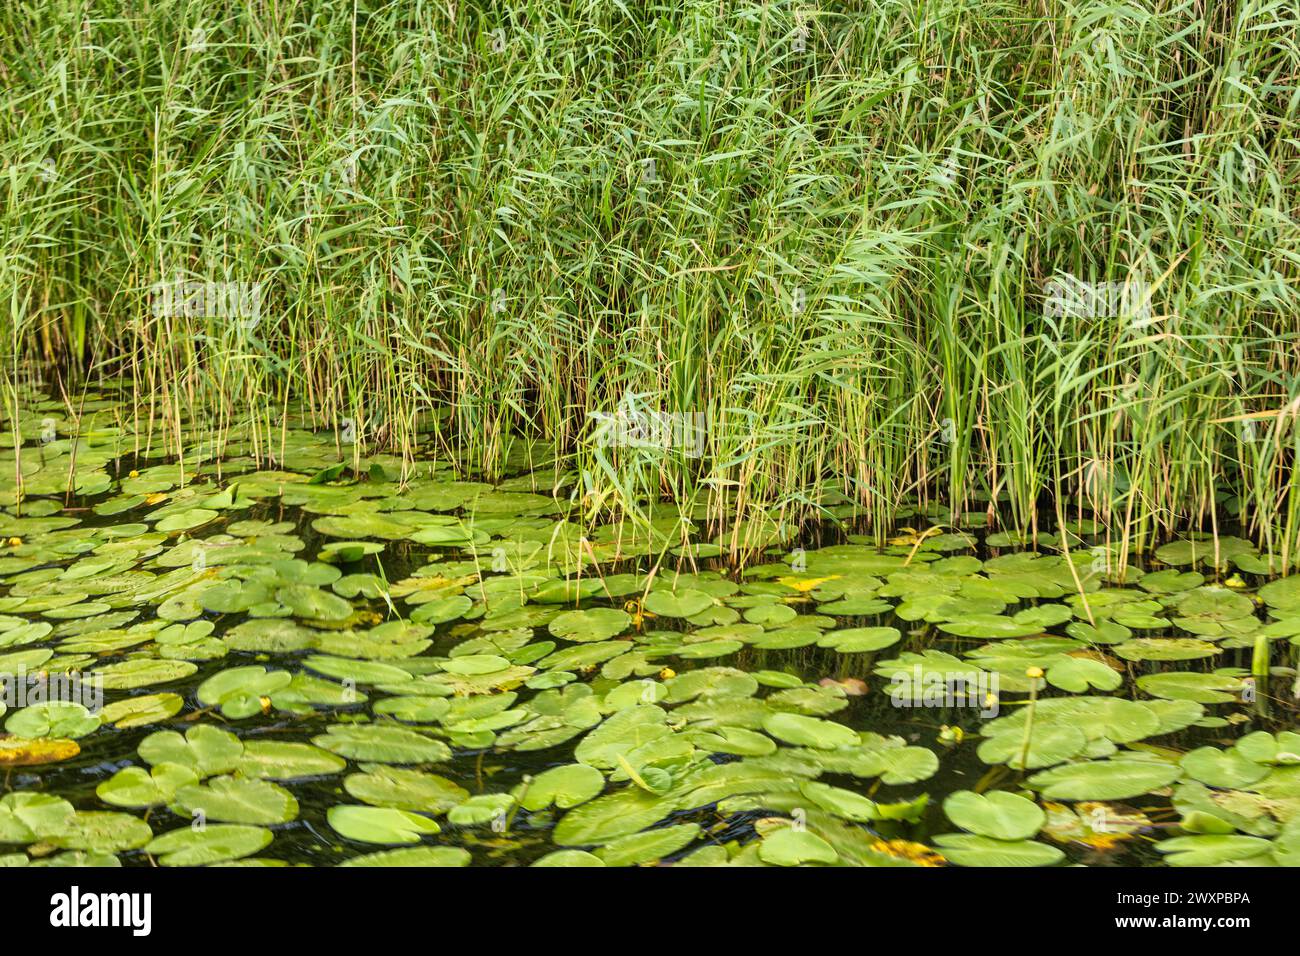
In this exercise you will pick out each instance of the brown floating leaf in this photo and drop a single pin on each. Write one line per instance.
(1101, 826)
(918, 853)
(20, 752)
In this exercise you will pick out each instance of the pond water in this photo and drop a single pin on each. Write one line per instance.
(208, 661)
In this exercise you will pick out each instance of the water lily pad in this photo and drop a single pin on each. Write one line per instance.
(591, 624)
(26, 817)
(1165, 649)
(101, 831)
(312, 603)
(569, 858)
(770, 614)
(482, 808)
(1222, 768)
(1104, 779)
(380, 824)
(902, 765)
(452, 856)
(858, 640)
(969, 849)
(1212, 849)
(142, 710)
(733, 740)
(359, 672)
(185, 520)
(1191, 685)
(611, 816)
(684, 603)
(136, 787)
(268, 634)
(990, 625)
(236, 800)
(648, 846)
(190, 846)
(1079, 674)
(565, 787)
(999, 815)
(382, 744)
(1110, 718)
(441, 610)
(620, 733)
(1283, 594)
(127, 675)
(796, 847)
(53, 719)
(204, 749)
(473, 665)
(1263, 747)
(843, 803)
(1048, 744)
(238, 691)
(404, 789)
(802, 731)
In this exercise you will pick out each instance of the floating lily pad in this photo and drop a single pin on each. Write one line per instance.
(137, 787)
(1104, 779)
(405, 789)
(128, 675)
(27, 817)
(190, 846)
(791, 847)
(285, 760)
(611, 816)
(380, 824)
(101, 831)
(1191, 685)
(382, 744)
(1048, 744)
(968, 849)
(813, 732)
(205, 749)
(592, 624)
(998, 815)
(445, 856)
(1212, 849)
(1222, 768)
(142, 710)
(53, 719)
(236, 800)
(565, 787)
(859, 640)
(684, 603)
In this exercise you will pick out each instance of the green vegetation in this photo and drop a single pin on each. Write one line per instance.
(329, 666)
(829, 229)
(583, 434)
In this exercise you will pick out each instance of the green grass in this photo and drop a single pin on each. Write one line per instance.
(913, 172)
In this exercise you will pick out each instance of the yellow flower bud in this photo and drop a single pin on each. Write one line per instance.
(1034, 672)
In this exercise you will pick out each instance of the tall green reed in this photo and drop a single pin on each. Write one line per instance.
(832, 229)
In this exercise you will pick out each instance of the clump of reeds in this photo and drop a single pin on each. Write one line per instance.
(833, 231)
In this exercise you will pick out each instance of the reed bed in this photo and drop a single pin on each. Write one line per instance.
(832, 231)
